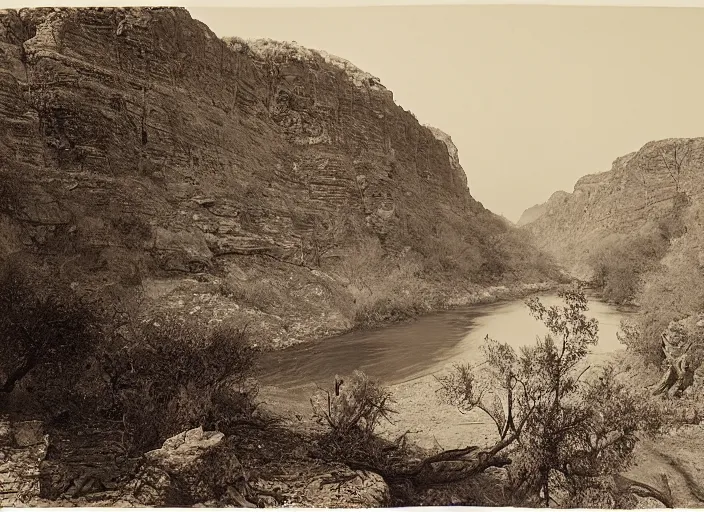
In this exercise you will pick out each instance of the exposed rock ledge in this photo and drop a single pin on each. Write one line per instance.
(193, 468)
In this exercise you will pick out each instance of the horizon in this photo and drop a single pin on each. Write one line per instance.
(530, 131)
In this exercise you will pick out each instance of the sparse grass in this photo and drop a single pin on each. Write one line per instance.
(262, 294)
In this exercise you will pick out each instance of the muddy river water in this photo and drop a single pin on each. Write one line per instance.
(407, 351)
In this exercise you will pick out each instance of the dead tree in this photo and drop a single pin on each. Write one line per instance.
(674, 158)
(680, 370)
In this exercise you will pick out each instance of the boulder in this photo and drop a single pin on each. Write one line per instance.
(348, 489)
(28, 433)
(23, 447)
(192, 467)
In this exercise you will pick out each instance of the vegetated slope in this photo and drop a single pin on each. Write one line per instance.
(258, 182)
(654, 191)
(638, 232)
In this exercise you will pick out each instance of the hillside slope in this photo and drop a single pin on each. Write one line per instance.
(256, 182)
(657, 189)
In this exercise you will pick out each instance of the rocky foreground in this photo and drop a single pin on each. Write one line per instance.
(192, 468)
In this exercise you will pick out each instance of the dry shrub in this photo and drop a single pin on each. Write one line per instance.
(133, 229)
(256, 293)
(671, 292)
(357, 406)
(394, 305)
(384, 288)
(620, 263)
(352, 416)
(46, 333)
(180, 375)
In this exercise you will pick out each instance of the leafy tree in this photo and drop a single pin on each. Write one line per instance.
(563, 425)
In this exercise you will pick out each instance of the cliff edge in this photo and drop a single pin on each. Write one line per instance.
(241, 181)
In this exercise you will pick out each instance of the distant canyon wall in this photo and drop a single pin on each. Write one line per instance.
(641, 193)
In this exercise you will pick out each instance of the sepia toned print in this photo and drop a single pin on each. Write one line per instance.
(236, 271)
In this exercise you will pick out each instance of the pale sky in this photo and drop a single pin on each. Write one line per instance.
(534, 97)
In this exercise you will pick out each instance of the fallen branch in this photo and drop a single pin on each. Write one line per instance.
(644, 490)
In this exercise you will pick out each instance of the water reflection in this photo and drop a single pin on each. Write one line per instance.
(401, 352)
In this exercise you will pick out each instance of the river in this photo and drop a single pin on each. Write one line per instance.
(407, 357)
(407, 351)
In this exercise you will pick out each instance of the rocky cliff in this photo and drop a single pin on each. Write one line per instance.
(227, 178)
(648, 191)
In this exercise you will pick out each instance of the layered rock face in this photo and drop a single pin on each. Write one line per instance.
(643, 191)
(138, 148)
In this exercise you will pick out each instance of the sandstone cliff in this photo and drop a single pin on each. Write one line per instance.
(226, 178)
(643, 192)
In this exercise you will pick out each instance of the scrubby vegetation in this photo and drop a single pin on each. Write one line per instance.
(661, 273)
(563, 429)
(76, 361)
(566, 427)
(388, 286)
(619, 263)
(178, 376)
(46, 333)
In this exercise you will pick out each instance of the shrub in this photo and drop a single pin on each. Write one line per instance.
(389, 308)
(351, 414)
(256, 293)
(358, 405)
(671, 292)
(46, 332)
(384, 288)
(133, 229)
(179, 375)
(565, 431)
(619, 264)
(620, 283)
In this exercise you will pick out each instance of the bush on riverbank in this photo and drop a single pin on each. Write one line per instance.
(619, 264)
(178, 375)
(547, 409)
(673, 290)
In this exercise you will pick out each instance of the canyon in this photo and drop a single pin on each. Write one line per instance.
(650, 190)
(251, 182)
(158, 171)
(151, 166)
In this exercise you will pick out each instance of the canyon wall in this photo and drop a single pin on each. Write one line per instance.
(226, 178)
(645, 192)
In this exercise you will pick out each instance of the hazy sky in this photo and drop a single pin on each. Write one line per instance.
(534, 97)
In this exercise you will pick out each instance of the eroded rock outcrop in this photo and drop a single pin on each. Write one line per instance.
(192, 467)
(351, 489)
(23, 445)
(683, 348)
